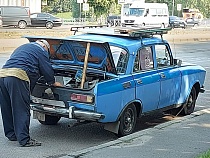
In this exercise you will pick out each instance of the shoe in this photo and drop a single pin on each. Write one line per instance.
(32, 142)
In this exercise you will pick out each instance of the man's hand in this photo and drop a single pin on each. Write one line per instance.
(57, 84)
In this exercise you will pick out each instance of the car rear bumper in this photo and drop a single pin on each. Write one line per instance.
(71, 112)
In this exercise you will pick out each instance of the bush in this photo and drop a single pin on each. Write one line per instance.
(205, 155)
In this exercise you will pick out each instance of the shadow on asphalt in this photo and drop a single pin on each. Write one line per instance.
(150, 121)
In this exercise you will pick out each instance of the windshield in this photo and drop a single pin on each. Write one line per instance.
(137, 11)
(120, 57)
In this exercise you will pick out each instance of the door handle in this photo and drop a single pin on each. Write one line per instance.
(162, 75)
(127, 84)
(139, 81)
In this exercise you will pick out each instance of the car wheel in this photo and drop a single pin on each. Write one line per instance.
(127, 121)
(22, 24)
(195, 25)
(49, 25)
(50, 120)
(189, 106)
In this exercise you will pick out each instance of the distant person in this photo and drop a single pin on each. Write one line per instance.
(17, 79)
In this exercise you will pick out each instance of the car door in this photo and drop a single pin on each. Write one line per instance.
(147, 79)
(40, 20)
(34, 19)
(170, 75)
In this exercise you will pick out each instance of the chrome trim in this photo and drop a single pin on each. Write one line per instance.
(47, 102)
(70, 113)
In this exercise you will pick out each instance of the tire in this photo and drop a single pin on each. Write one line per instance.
(127, 121)
(112, 23)
(195, 25)
(22, 24)
(49, 25)
(189, 106)
(50, 120)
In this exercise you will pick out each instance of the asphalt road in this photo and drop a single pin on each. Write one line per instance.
(60, 140)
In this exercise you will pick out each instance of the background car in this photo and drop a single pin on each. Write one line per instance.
(45, 20)
(192, 22)
(176, 22)
(16, 16)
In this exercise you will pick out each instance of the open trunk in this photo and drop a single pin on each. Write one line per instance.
(79, 66)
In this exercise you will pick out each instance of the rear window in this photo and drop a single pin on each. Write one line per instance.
(96, 55)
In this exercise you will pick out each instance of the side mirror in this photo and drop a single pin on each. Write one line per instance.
(177, 62)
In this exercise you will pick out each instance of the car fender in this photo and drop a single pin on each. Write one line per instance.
(138, 105)
(190, 79)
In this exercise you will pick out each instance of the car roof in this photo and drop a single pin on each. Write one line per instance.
(119, 40)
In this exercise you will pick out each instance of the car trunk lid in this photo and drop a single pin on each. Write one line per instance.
(64, 51)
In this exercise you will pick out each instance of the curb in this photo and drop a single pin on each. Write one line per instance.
(133, 136)
(189, 40)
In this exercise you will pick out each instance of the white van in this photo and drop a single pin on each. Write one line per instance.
(146, 14)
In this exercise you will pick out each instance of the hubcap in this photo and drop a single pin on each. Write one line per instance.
(128, 120)
(190, 102)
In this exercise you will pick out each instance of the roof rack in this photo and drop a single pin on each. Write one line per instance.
(143, 32)
(76, 28)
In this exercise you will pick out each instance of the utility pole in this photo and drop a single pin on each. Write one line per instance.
(80, 7)
(173, 8)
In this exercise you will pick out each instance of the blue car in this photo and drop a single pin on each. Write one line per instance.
(114, 79)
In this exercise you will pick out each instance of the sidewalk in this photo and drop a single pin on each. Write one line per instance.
(8, 45)
(185, 137)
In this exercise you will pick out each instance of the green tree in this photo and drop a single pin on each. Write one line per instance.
(101, 7)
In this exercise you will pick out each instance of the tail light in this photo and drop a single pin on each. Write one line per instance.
(82, 98)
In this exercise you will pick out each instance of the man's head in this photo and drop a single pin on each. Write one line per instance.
(45, 44)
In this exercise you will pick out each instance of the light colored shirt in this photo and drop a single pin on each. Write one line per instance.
(14, 72)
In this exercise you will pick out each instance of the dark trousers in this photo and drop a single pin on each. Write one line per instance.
(15, 108)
